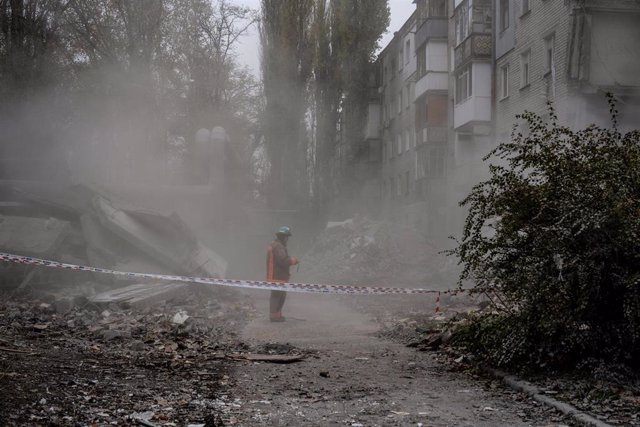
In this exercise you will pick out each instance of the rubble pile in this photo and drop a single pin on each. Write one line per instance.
(365, 252)
(86, 226)
(166, 363)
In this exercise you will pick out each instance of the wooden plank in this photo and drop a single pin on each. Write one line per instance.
(272, 358)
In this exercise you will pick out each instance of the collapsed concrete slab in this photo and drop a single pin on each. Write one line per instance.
(165, 238)
(83, 225)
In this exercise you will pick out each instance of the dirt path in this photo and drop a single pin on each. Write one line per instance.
(354, 378)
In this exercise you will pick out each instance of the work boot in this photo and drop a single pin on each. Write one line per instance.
(277, 317)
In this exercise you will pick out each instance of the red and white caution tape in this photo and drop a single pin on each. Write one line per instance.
(278, 286)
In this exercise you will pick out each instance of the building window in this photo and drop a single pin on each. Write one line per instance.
(407, 141)
(399, 143)
(399, 186)
(407, 183)
(549, 49)
(421, 58)
(504, 81)
(400, 101)
(461, 21)
(407, 51)
(504, 14)
(525, 7)
(407, 97)
(525, 67)
(463, 85)
(400, 58)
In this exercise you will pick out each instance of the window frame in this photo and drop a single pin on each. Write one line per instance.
(505, 16)
(525, 64)
(407, 140)
(407, 51)
(504, 81)
(468, 86)
(549, 45)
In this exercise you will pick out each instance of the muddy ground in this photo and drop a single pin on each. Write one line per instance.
(113, 366)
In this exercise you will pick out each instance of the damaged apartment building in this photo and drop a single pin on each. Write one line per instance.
(457, 72)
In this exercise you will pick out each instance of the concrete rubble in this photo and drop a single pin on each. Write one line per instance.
(361, 251)
(83, 225)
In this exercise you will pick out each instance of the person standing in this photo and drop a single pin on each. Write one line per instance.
(278, 264)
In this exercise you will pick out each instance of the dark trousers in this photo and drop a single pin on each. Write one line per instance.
(276, 302)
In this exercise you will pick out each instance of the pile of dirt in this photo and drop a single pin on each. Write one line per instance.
(365, 252)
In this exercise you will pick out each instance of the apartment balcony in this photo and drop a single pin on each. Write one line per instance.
(474, 110)
(474, 47)
(432, 28)
(433, 135)
(432, 81)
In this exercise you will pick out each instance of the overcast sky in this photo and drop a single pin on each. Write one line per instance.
(249, 49)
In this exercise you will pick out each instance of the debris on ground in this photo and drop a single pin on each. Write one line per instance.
(604, 392)
(365, 252)
(167, 364)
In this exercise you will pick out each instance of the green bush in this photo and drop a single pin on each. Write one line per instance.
(552, 239)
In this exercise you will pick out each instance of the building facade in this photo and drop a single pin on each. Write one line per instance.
(454, 77)
(569, 53)
(398, 170)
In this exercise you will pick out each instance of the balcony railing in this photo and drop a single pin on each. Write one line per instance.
(476, 46)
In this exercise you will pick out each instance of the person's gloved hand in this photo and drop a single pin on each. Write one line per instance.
(294, 261)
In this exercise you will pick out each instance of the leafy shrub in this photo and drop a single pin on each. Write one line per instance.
(552, 239)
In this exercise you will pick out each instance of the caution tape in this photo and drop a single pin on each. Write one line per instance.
(314, 288)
